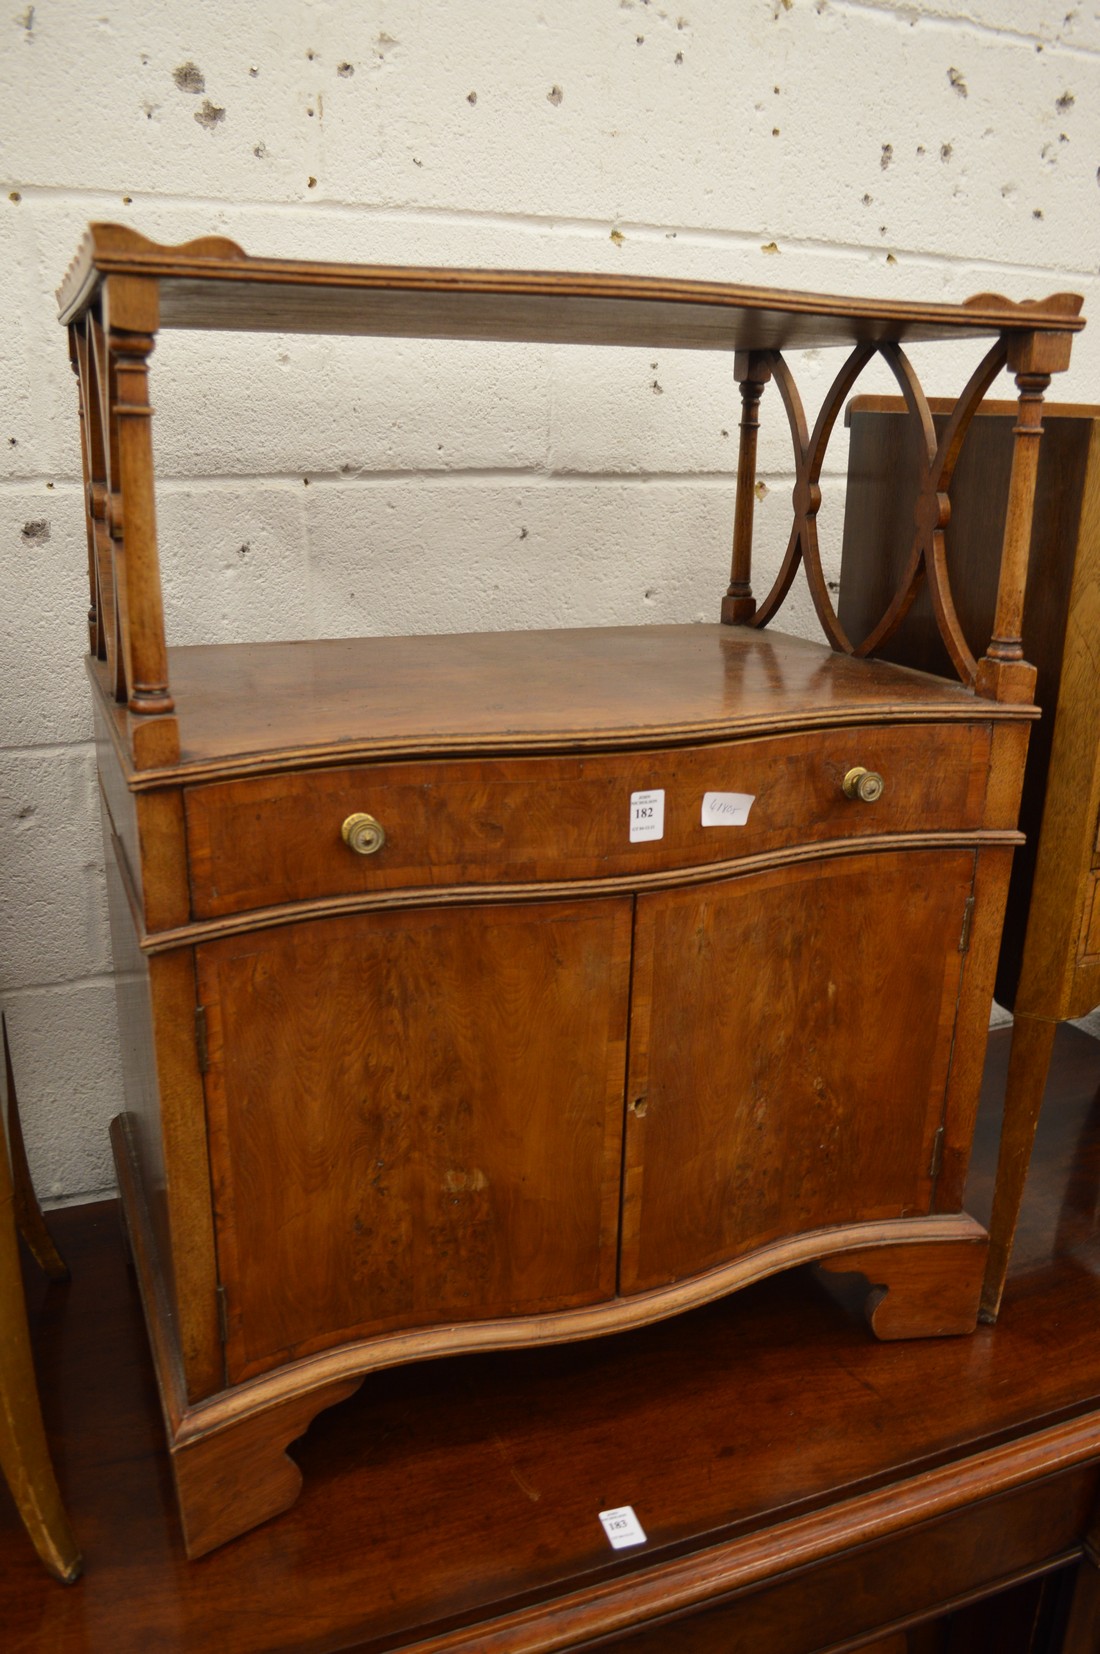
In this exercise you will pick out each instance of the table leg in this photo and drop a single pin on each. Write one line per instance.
(24, 1456)
(1028, 1064)
(28, 1213)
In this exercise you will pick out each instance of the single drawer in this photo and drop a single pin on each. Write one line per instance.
(265, 841)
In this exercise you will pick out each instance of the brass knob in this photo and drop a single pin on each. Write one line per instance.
(864, 785)
(363, 834)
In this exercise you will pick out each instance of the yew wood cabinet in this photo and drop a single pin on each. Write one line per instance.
(487, 990)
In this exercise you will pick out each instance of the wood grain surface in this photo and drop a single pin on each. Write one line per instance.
(212, 283)
(415, 1119)
(243, 708)
(1064, 536)
(790, 1095)
(455, 1503)
(25, 1465)
(257, 842)
(426, 1051)
(166, 1115)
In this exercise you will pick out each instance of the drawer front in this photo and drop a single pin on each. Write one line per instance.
(274, 839)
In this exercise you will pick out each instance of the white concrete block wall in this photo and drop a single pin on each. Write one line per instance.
(923, 148)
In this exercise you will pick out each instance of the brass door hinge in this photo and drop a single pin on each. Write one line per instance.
(223, 1314)
(968, 914)
(937, 1155)
(200, 1038)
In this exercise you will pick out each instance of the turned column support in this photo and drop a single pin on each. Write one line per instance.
(130, 323)
(752, 370)
(1003, 674)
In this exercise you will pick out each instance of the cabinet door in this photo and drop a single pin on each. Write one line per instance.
(415, 1117)
(790, 1042)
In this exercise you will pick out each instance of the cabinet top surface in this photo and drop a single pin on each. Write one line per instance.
(269, 705)
(212, 283)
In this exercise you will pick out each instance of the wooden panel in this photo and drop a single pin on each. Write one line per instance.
(1073, 797)
(992, 869)
(275, 839)
(1090, 935)
(26, 1468)
(138, 1059)
(265, 705)
(1024, 1619)
(879, 529)
(878, 532)
(414, 1118)
(642, 318)
(117, 798)
(831, 1610)
(162, 834)
(149, 832)
(164, 1105)
(790, 1038)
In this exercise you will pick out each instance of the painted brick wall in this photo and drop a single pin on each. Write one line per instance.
(926, 149)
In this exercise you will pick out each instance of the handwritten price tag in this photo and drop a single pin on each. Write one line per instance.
(727, 809)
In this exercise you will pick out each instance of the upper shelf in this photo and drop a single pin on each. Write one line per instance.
(212, 283)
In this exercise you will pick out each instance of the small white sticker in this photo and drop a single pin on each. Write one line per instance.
(727, 809)
(622, 1527)
(647, 816)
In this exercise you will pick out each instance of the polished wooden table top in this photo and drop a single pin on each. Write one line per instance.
(761, 1431)
(263, 705)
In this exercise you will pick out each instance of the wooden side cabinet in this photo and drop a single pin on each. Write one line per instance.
(483, 991)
